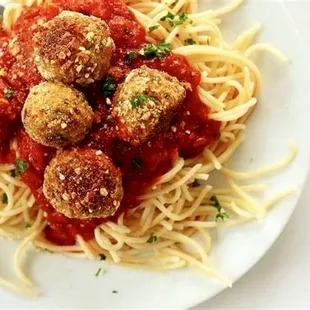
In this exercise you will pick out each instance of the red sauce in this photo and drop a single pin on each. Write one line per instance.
(142, 165)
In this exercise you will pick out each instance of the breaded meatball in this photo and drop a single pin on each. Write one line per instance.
(146, 103)
(83, 184)
(56, 115)
(73, 47)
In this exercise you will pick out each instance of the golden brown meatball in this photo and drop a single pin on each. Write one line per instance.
(83, 184)
(56, 115)
(73, 47)
(146, 103)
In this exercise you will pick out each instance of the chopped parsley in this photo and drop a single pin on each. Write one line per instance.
(27, 225)
(138, 100)
(152, 28)
(136, 163)
(169, 16)
(5, 199)
(20, 168)
(153, 50)
(189, 42)
(152, 238)
(108, 87)
(181, 18)
(195, 183)
(150, 51)
(131, 56)
(221, 212)
(114, 291)
(9, 93)
(102, 257)
(175, 20)
(99, 272)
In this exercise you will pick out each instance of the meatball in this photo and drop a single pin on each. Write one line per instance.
(83, 184)
(73, 47)
(146, 103)
(56, 115)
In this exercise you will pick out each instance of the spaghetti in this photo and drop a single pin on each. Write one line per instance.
(159, 233)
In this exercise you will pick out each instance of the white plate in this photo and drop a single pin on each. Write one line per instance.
(282, 115)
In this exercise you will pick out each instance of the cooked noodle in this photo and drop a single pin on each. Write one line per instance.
(173, 209)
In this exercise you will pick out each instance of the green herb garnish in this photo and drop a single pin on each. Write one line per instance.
(136, 163)
(99, 271)
(131, 56)
(181, 18)
(27, 225)
(221, 212)
(102, 257)
(109, 86)
(20, 168)
(5, 199)
(150, 51)
(195, 183)
(160, 50)
(168, 16)
(175, 20)
(152, 28)
(114, 291)
(9, 93)
(138, 100)
(152, 238)
(189, 42)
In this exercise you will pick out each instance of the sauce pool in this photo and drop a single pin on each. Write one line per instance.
(190, 132)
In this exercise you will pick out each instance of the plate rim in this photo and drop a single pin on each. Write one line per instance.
(302, 180)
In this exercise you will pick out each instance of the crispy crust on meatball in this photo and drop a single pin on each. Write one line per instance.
(146, 103)
(83, 184)
(56, 115)
(73, 47)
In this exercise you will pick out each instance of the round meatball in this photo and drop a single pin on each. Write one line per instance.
(73, 47)
(146, 103)
(83, 184)
(56, 115)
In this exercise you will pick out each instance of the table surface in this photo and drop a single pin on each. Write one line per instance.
(281, 280)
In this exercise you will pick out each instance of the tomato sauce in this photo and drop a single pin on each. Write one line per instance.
(190, 132)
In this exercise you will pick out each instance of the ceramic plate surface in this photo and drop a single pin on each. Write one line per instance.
(282, 115)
